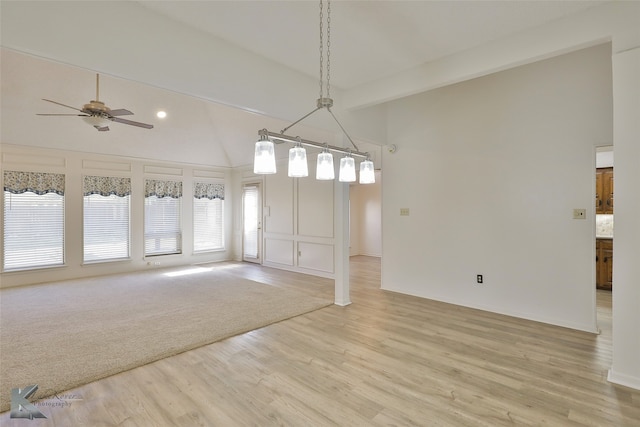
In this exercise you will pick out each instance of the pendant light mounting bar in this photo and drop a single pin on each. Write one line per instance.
(279, 138)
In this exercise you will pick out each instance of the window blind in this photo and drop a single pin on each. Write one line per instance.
(162, 218)
(208, 224)
(106, 227)
(106, 218)
(33, 230)
(33, 220)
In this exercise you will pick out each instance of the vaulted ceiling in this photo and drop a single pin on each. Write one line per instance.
(224, 69)
(370, 39)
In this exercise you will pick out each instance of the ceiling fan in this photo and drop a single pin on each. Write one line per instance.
(98, 115)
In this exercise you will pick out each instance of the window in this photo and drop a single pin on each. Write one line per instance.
(33, 220)
(251, 219)
(106, 218)
(208, 217)
(162, 218)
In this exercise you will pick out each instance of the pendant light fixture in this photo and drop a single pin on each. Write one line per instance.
(264, 161)
(298, 161)
(324, 166)
(347, 169)
(367, 174)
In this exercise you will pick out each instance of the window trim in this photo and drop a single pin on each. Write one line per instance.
(161, 188)
(37, 183)
(112, 191)
(205, 189)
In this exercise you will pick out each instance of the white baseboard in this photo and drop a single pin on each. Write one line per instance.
(342, 304)
(624, 380)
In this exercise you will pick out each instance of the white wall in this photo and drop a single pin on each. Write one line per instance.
(77, 164)
(491, 170)
(299, 228)
(298, 224)
(626, 269)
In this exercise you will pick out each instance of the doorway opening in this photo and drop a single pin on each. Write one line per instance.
(604, 208)
(365, 218)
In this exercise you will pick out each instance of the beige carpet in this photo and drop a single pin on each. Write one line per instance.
(70, 333)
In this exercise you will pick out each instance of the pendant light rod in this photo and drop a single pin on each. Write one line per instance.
(299, 120)
(286, 138)
(343, 130)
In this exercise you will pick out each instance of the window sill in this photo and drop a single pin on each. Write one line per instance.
(33, 269)
(105, 261)
(209, 251)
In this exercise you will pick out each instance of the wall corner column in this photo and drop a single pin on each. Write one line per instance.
(625, 369)
(341, 253)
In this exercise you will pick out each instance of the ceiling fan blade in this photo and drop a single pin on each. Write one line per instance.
(120, 112)
(64, 105)
(102, 128)
(74, 115)
(131, 122)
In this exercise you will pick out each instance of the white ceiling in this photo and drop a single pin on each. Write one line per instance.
(224, 69)
(369, 39)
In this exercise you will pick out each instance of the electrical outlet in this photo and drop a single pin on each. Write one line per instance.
(579, 213)
(479, 278)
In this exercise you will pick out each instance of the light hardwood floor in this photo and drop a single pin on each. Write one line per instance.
(387, 359)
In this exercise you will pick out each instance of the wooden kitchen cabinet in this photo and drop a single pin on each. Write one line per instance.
(604, 264)
(604, 191)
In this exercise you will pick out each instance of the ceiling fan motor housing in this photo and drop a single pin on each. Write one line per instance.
(95, 107)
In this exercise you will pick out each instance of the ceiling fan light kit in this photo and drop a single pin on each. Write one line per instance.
(265, 161)
(97, 121)
(98, 115)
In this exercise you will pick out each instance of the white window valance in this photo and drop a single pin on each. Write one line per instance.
(36, 182)
(162, 189)
(203, 190)
(107, 186)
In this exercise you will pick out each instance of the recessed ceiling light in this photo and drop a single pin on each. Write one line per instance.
(161, 114)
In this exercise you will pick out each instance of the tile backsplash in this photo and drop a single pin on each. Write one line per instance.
(604, 226)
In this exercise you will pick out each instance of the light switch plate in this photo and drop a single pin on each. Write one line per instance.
(579, 214)
(404, 211)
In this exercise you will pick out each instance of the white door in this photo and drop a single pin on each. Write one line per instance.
(252, 223)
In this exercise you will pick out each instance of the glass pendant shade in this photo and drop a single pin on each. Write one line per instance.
(298, 162)
(324, 167)
(367, 174)
(347, 169)
(264, 161)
